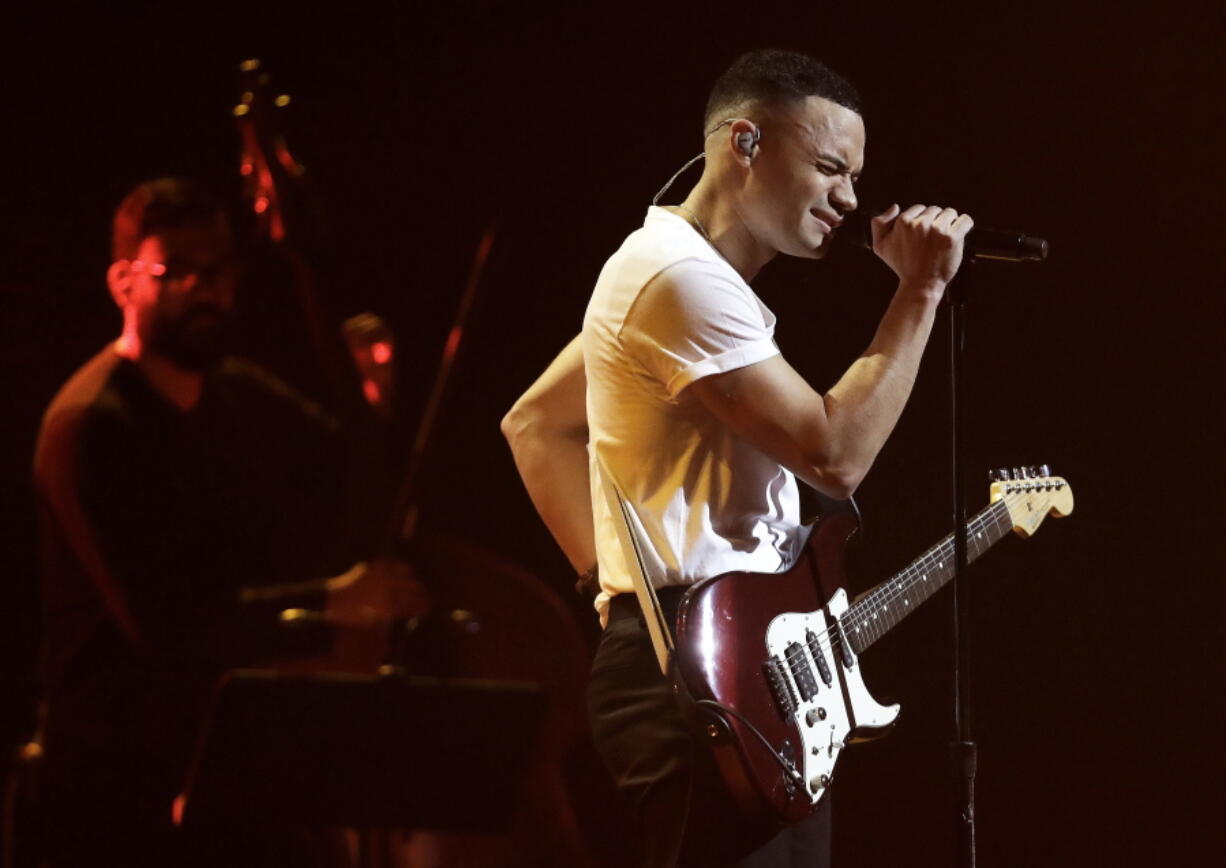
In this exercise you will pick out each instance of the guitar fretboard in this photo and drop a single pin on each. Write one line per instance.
(874, 614)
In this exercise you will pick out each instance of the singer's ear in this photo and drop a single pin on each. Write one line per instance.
(119, 282)
(742, 141)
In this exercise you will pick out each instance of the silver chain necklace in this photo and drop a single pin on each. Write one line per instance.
(702, 230)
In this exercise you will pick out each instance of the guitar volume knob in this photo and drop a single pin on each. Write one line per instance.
(819, 783)
(813, 715)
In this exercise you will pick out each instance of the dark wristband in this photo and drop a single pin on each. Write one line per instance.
(589, 581)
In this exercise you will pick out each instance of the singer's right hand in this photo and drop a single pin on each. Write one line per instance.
(375, 593)
(923, 245)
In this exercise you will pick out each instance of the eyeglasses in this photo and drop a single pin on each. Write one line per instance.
(178, 273)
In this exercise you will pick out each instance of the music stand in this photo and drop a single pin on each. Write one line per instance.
(355, 750)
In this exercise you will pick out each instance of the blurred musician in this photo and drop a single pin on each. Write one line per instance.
(187, 498)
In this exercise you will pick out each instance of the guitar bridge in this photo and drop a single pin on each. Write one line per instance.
(781, 688)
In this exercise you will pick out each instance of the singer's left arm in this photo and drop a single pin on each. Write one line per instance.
(547, 431)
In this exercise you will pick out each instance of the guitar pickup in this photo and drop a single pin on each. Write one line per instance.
(798, 662)
(815, 648)
(849, 659)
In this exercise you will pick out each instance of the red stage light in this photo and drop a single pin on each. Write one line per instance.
(381, 352)
(453, 342)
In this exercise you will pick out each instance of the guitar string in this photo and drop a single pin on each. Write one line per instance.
(886, 595)
(893, 589)
(924, 563)
(864, 612)
(932, 555)
(890, 591)
(929, 556)
(998, 518)
(833, 641)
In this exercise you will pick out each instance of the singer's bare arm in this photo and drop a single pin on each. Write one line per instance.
(547, 432)
(830, 441)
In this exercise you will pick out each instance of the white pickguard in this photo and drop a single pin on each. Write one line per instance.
(828, 720)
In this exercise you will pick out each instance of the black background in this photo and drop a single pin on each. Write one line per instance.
(1097, 686)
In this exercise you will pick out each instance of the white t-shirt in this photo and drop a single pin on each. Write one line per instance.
(668, 310)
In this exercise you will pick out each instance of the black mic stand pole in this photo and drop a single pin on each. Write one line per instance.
(964, 752)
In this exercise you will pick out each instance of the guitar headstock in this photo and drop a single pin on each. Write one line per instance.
(1030, 494)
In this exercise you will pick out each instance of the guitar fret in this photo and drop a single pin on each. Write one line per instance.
(886, 605)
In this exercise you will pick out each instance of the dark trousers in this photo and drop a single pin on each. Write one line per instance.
(682, 811)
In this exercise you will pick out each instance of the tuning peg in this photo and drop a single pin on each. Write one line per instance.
(1032, 472)
(1044, 470)
(1017, 473)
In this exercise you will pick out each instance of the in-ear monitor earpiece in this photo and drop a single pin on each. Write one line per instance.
(745, 141)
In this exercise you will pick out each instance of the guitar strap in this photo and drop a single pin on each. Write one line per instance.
(630, 535)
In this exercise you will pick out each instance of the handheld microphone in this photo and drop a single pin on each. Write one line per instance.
(980, 243)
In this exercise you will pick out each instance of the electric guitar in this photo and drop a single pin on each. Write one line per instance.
(772, 662)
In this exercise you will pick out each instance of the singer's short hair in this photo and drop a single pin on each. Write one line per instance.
(774, 74)
(157, 205)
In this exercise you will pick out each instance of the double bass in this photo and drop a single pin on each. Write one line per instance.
(487, 619)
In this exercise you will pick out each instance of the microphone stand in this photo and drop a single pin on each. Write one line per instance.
(1009, 247)
(965, 750)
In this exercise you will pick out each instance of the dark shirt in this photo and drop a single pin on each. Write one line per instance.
(153, 521)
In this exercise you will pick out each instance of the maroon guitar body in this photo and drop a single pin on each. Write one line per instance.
(720, 640)
(771, 660)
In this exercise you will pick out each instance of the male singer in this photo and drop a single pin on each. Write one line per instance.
(676, 393)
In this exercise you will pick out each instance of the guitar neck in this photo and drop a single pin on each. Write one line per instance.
(874, 614)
